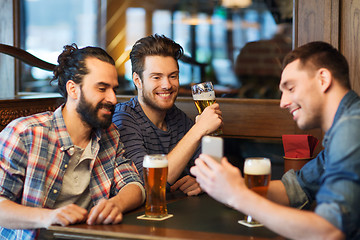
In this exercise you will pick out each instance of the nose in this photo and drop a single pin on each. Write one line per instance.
(111, 97)
(284, 101)
(165, 83)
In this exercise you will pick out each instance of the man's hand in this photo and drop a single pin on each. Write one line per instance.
(210, 119)
(105, 212)
(187, 185)
(220, 181)
(66, 215)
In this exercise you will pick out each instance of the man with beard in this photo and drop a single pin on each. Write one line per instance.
(151, 124)
(68, 167)
(316, 91)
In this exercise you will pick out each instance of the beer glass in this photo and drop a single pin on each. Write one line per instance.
(203, 96)
(257, 175)
(155, 169)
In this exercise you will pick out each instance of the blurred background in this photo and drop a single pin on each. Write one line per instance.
(236, 44)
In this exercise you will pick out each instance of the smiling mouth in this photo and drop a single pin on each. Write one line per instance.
(295, 112)
(164, 94)
(107, 108)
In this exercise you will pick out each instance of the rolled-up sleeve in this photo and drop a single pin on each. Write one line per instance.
(296, 195)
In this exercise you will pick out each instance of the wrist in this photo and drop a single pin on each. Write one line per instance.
(238, 199)
(198, 131)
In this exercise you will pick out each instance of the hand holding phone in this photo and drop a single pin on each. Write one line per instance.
(213, 146)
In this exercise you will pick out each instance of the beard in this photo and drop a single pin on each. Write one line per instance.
(89, 114)
(149, 101)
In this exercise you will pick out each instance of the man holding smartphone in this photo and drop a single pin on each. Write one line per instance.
(316, 90)
(151, 123)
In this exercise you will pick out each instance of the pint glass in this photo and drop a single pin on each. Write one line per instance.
(257, 175)
(204, 96)
(155, 169)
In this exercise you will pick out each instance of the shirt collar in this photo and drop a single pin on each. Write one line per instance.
(62, 133)
(345, 103)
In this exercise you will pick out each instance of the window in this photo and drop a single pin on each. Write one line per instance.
(47, 26)
(239, 49)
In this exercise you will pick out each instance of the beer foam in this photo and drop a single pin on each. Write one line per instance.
(155, 161)
(258, 166)
(204, 96)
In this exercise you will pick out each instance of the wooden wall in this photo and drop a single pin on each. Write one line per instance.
(333, 21)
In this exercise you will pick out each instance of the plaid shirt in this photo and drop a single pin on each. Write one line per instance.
(34, 153)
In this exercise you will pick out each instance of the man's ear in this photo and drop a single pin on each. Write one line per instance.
(73, 89)
(325, 79)
(137, 81)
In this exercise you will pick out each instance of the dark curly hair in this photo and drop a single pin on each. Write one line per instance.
(72, 65)
(153, 45)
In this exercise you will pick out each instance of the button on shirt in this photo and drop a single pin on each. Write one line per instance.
(332, 179)
(75, 188)
(34, 156)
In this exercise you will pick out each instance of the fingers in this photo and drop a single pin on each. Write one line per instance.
(187, 185)
(67, 215)
(177, 184)
(105, 212)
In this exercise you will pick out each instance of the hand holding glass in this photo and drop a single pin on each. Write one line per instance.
(204, 96)
(155, 169)
(257, 175)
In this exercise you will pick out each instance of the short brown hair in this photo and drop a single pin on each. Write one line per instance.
(153, 45)
(316, 55)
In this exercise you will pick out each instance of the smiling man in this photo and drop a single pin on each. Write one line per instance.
(316, 90)
(67, 166)
(151, 124)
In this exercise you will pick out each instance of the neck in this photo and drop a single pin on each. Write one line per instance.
(156, 116)
(78, 130)
(333, 100)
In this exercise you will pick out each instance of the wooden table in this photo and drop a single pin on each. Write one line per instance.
(198, 217)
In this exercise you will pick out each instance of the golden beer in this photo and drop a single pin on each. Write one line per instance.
(155, 169)
(257, 176)
(258, 183)
(202, 104)
(204, 96)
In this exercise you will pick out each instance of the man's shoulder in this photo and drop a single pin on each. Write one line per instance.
(111, 132)
(129, 107)
(37, 120)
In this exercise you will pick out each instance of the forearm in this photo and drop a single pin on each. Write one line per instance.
(16, 216)
(182, 152)
(129, 197)
(289, 222)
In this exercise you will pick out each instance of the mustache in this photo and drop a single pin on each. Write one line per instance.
(109, 106)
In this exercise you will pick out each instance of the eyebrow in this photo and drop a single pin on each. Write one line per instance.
(106, 85)
(285, 84)
(156, 73)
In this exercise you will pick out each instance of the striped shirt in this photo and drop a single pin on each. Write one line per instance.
(35, 153)
(140, 136)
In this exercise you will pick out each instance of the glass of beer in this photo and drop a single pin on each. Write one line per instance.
(257, 175)
(204, 96)
(155, 169)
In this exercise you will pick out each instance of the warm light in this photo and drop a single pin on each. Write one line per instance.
(236, 3)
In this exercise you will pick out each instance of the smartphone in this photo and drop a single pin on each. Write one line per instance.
(213, 146)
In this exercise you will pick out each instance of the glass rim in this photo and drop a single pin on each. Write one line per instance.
(258, 158)
(155, 160)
